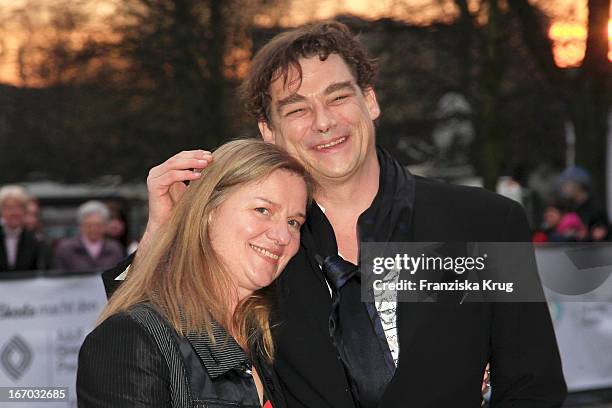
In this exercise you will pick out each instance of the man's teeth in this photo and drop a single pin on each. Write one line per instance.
(265, 252)
(330, 144)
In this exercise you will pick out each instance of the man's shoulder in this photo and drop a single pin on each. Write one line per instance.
(113, 245)
(450, 212)
(28, 237)
(69, 244)
(435, 192)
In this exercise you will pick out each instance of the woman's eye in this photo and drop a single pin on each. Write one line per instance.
(262, 210)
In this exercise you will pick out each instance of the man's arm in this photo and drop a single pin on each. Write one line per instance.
(525, 362)
(166, 184)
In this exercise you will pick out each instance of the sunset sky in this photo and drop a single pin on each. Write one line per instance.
(568, 29)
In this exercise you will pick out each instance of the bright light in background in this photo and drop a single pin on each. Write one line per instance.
(570, 43)
(567, 32)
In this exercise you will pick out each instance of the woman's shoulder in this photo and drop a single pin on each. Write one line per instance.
(120, 343)
(119, 363)
(120, 330)
(135, 320)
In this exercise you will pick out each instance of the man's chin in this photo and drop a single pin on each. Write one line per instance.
(332, 174)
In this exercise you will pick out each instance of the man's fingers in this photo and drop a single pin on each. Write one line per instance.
(183, 161)
(176, 191)
(178, 164)
(198, 154)
(167, 179)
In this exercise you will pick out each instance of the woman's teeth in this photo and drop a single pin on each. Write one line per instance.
(265, 252)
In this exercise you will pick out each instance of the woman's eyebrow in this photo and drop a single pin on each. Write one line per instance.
(298, 214)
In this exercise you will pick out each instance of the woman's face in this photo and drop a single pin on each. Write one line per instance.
(256, 230)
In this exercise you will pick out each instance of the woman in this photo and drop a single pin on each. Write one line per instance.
(189, 327)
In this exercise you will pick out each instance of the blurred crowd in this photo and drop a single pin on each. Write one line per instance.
(571, 212)
(568, 213)
(101, 241)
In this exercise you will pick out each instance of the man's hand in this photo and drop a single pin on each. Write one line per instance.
(166, 185)
(486, 381)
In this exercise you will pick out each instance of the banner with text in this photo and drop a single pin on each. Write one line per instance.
(43, 322)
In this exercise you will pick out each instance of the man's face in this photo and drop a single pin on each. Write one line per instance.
(326, 122)
(93, 227)
(13, 213)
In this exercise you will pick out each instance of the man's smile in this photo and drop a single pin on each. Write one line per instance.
(331, 144)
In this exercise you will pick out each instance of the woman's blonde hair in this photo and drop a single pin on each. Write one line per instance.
(181, 274)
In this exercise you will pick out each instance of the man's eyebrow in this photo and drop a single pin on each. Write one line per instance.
(301, 215)
(339, 86)
(295, 98)
(288, 101)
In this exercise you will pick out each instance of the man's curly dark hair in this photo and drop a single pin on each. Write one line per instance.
(282, 53)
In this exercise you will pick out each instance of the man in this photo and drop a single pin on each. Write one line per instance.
(311, 90)
(19, 249)
(91, 250)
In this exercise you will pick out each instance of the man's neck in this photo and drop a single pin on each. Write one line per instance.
(353, 195)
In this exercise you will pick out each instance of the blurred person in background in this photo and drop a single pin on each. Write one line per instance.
(575, 186)
(91, 249)
(32, 218)
(117, 229)
(20, 250)
(560, 224)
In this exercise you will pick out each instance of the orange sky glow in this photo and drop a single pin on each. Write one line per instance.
(568, 30)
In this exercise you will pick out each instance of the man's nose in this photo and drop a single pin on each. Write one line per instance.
(324, 118)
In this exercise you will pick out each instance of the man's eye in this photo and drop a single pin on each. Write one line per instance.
(338, 99)
(295, 224)
(296, 112)
(262, 210)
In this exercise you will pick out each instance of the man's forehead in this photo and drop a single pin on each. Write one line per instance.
(313, 73)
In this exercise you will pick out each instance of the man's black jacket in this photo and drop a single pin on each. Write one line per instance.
(32, 254)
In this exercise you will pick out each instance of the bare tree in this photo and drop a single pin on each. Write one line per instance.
(585, 89)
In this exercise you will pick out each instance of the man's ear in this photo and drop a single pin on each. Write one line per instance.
(371, 103)
(266, 133)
